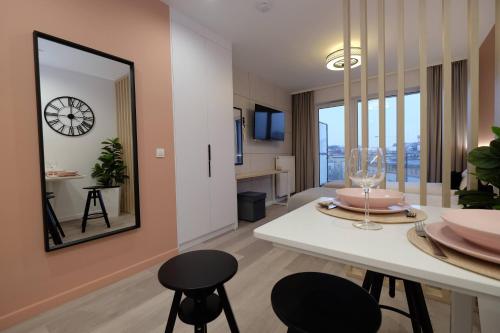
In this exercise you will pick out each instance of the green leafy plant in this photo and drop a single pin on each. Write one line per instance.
(486, 159)
(111, 169)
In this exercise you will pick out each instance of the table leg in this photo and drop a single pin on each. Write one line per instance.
(461, 313)
(227, 309)
(273, 187)
(174, 309)
(489, 314)
(288, 187)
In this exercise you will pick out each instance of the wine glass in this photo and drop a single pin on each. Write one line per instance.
(366, 168)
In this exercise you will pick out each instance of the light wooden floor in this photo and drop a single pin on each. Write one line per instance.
(139, 304)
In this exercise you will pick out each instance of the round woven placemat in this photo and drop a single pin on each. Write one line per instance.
(456, 258)
(379, 218)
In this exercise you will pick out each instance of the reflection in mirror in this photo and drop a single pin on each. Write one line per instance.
(238, 136)
(87, 142)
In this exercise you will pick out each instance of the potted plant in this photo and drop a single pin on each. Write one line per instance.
(486, 159)
(109, 172)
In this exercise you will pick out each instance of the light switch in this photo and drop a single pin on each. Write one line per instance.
(160, 152)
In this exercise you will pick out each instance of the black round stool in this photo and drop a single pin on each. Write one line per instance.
(198, 274)
(321, 303)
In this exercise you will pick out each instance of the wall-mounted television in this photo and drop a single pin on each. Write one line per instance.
(268, 124)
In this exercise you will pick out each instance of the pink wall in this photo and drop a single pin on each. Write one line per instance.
(486, 88)
(32, 280)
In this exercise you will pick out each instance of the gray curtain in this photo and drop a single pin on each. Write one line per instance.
(434, 123)
(459, 116)
(458, 119)
(303, 139)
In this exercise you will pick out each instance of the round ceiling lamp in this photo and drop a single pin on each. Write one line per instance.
(263, 6)
(335, 60)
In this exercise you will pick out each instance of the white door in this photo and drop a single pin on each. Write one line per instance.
(223, 206)
(190, 133)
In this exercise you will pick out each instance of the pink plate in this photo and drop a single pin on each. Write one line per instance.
(387, 210)
(443, 234)
(379, 198)
(479, 226)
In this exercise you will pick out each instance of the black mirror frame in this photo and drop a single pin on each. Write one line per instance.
(36, 35)
(241, 139)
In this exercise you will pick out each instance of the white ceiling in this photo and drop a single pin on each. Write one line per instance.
(65, 57)
(288, 44)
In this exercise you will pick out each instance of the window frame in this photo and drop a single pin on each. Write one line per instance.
(332, 104)
(392, 93)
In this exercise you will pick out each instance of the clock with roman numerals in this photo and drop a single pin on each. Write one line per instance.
(69, 116)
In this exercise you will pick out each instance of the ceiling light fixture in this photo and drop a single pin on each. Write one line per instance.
(263, 6)
(335, 60)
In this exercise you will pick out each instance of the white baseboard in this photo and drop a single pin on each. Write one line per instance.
(186, 245)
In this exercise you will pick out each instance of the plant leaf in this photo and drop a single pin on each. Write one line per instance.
(482, 157)
(495, 147)
(496, 131)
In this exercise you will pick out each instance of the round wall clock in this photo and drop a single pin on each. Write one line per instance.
(69, 116)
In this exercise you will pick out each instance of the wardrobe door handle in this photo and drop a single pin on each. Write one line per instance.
(209, 161)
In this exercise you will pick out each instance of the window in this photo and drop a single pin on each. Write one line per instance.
(411, 133)
(331, 143)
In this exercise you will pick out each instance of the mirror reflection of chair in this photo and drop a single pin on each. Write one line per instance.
(55, 229)
(94, 193)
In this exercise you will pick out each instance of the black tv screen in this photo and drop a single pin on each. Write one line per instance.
(261, 124)
(277, 126)
(269, 124)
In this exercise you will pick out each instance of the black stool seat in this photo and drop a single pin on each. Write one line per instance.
(198, 270)
(198, 274)
(313, 302)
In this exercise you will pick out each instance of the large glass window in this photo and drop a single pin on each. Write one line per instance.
(411, 131)
(331, 144)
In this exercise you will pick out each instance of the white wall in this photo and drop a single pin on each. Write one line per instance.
(76, 153)
(260, 155)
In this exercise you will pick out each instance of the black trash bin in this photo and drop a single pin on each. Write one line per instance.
(251, 206)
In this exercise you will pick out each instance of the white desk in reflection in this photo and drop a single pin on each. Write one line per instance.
(58, 178)
(64, 195)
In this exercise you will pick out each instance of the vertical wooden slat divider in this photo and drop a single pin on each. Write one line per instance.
(446, 124)
(347, 86)
(381, 78)
(472, 86)
(364, 73)
(400, 98)
(423, 100)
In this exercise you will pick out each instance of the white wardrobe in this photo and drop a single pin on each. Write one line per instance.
(203, 132)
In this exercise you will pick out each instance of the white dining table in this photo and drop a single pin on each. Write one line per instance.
(388, 251)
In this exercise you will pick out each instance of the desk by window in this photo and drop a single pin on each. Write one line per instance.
(265, 173)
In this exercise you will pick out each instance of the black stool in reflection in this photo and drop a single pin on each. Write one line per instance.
(198, 274)
(419, 314)
(54, 227)
(313, 302)
(94, 193)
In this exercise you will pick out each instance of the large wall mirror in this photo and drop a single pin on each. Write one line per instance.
(88, 142)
